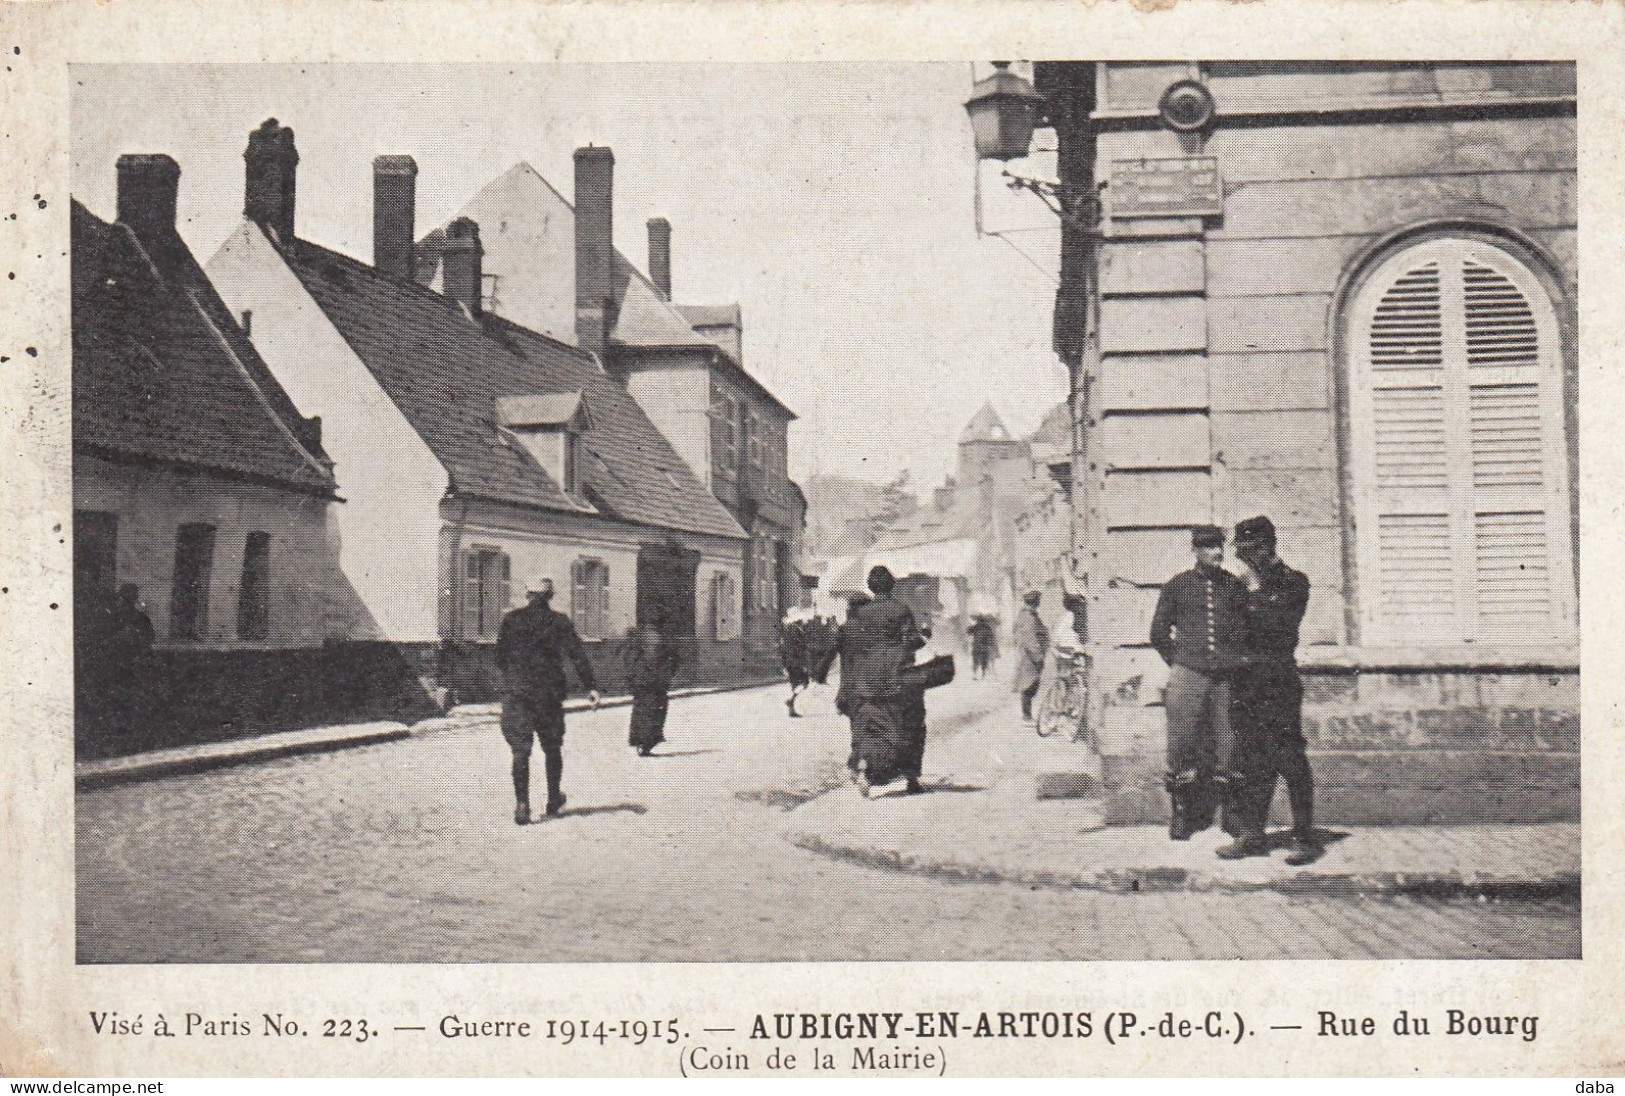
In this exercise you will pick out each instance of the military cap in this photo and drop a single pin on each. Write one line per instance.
(1207, 536)
(1260, 529)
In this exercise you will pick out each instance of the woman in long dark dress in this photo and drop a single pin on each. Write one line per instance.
(650, 663)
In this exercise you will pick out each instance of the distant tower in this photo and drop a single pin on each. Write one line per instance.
(985, 444)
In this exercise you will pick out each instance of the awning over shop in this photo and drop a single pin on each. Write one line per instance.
(941, 559)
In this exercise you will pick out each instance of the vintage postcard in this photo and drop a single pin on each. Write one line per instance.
(824, 540)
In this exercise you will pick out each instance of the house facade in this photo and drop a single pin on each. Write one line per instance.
(551, 265)
(956, 556)
(1343, 296)
(198, 482)
(474, 453)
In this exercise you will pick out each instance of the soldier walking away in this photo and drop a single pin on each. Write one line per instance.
(888, 720)
(1267, 705)
(650, 662)
(532, 645)
(1031, 639)
(984, 645)
(1199, 629)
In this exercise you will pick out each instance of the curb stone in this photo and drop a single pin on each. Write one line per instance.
(1559, 886)
(184, 760)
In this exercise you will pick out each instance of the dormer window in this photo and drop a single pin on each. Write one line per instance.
(549, 426)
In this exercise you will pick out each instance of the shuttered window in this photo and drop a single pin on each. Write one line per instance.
(487, 584)
(1460, 465)
(724, 607)
(589, 598)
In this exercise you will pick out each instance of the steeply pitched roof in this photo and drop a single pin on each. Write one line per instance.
(446, 370)
(162, 372)
(527, 229)
(985, 425)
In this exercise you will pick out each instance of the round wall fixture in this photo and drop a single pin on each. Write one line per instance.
(1186, 106)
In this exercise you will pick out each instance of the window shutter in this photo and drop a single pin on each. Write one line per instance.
(1460, 463)
(578, 595)
(471, 595)
(504, 596)
(601, 599)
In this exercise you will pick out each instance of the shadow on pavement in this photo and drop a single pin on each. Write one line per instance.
(606, 808)
(680, 753)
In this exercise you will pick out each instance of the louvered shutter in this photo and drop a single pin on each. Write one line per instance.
(603, 600)
(503, 587)
(471, 595)
(578, 595)
(1460, 465)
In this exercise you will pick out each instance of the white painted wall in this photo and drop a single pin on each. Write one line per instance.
(310, 598)
(548, 544)
(391, 482)
(677, 399)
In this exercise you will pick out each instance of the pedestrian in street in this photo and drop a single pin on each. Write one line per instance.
(984, 645)
(1199, 629)
(650, 662)
(1031, 638)
(115, 638)
(822, 641)
(532, 646)
(888, 722)
(1267, 701)
(795, 655)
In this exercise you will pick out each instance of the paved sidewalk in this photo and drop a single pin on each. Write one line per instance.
(981, 820)
(152, 764)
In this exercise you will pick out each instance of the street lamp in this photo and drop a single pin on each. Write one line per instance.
(1004, 110)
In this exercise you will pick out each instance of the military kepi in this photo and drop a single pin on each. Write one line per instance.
(1207, 536)
(1260, 529)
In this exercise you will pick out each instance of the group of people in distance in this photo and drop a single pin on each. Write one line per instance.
(808, 643)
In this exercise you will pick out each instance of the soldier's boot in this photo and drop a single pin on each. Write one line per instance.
(1300, 789)
(1182, 803)
(555, 778)
(521, 790)
(1230, 794)
(1241, 819)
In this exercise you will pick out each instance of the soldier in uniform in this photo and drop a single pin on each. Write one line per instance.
(1199, 630)
(532, 644)
(1267, 708)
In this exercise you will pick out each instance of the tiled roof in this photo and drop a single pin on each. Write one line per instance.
(527, 229)
(162, 372)
(446, 370)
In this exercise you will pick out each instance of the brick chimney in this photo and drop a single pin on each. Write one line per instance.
(462, 264)
(268, 193)
(660, 255)
(595, 246)
(394, 198)
(147, 186)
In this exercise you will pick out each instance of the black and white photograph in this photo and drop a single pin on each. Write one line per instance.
(835, 512)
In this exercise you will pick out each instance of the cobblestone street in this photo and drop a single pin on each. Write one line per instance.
(406, 852)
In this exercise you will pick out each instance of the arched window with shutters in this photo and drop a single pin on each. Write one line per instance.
(1459, 457)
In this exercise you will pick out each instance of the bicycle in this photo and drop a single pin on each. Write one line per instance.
(1063, 705)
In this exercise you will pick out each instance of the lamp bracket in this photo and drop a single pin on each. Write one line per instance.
(1079, 206)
